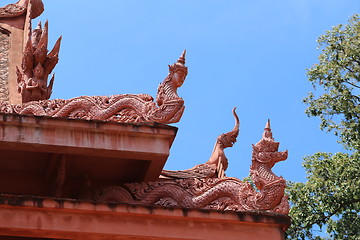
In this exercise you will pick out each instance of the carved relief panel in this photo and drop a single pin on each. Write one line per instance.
(4, 65)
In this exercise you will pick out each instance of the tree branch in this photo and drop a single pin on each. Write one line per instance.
(354, 85)
(326, 218)
(355, 60)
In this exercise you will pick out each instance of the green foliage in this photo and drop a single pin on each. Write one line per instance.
(330, 197)
(337, 78)
(328, 203)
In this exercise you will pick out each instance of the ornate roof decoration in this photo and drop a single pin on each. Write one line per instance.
(36, 65)
(19, 8)
(136, 108)
(209, 192)
(217, 163)
(179, 65)
(267, 143)
(264, 156)
(204, 186)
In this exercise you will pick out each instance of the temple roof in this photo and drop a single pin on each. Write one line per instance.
(113, 148)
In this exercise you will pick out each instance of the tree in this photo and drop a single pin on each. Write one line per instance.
(330, 198)
(338, 74)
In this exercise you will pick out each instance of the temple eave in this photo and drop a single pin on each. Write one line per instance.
(55, 218)
(106, 152)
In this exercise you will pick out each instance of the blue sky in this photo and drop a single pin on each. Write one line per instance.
(248, 54)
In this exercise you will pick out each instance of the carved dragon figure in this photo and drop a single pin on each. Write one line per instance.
(36, 66)
(214, 193)
(265, 155)
(119, 108)
(217, 163)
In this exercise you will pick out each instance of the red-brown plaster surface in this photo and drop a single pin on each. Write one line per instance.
(67, 219)
(107, 153)
(16, 22)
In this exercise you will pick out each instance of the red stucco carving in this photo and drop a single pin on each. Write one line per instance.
(271, 187)
(19, 8)
(217, 163)
(168, 108)
(36, 66)
(12, 10)
(215, 193)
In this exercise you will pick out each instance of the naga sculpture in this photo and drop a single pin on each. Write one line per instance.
(136, 108)
(217, 163)
(36, 66)
(224, 193)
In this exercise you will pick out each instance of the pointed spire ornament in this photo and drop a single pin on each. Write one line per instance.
(36, 65)
(179, 65)
(181, 60)
(36, 34)
(267, 131)
(267, 126)
(267, 142)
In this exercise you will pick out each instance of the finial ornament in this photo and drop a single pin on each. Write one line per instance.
(181, 60)
(217, 164)
(36, 65)
(267, 131)
(228, 139)
(267, 126)
(179, 65)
